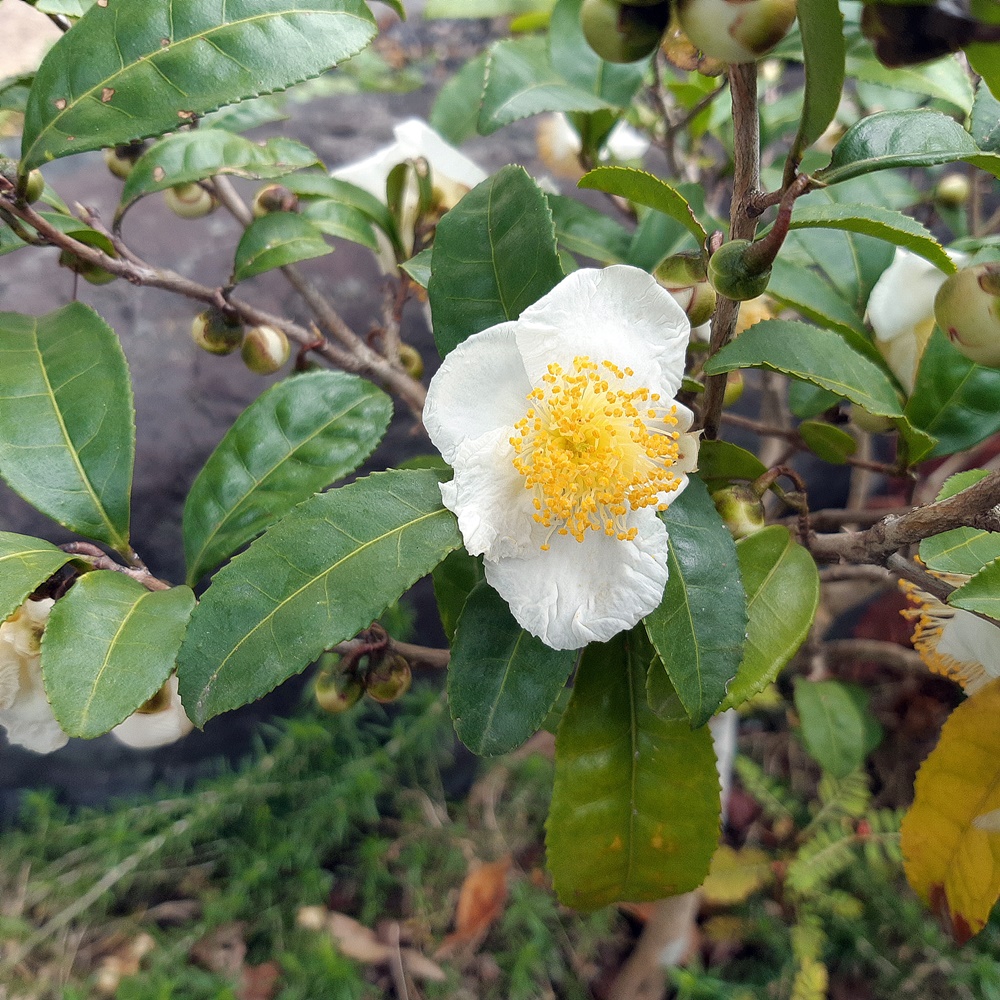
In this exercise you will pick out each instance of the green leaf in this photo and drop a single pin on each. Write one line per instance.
(838, 728)
(494, 255)
(333, 218)
(945, 79)
(192, 156)
(521, 82)
(821, 25)
(71, 8)
(985, 122)
(635, 807)
(454, 579)
(981, 593)
(276, 240)
(812, 355)
(985, 60)
(131, 69)
(294, 440)
(67, 429)
(645, 189)
(502, 681)
(25, 563)
(812, 295)
(911, 138)
(583, 230)
(109, 645)
(14, 92)
(579, 65)
(483, 8)
(455, 112)
(699, 628)
(724, 460)
(319, 576)
(883, 224)
(830, 443)
(954, 399)
(962, 550)
(782, 585)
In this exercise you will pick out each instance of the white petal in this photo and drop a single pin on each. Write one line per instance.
(372, 172)
(903, 297)
(417, 138)
(970, 639)
(488, 497)
(30, 722)
(625, 143)
(480, 386)
(619, 314)
(589, 591)
(155, 729)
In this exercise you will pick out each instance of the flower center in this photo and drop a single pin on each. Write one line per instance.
(592, 449)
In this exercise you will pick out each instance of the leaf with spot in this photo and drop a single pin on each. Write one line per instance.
(502, 681)
(25, 563)
(635, 805)
(494, 255)
(319, 576)
(295, 439)
(67, 426)
(699, 628)
(109, 646)
(276, 240)
(131, 69)
(193, 156)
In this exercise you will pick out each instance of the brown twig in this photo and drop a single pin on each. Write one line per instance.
(99, 559)
(352, 354)
(889, 653)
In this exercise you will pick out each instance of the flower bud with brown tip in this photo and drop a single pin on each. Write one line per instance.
(736, 31)
(274, 198)
(388, 678)
(740, 507)
(190, 201)
(216, 332)
(967, 308)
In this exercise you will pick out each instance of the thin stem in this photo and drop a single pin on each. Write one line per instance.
(743, 224)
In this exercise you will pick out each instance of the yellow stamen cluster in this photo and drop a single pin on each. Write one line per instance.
(592, 449)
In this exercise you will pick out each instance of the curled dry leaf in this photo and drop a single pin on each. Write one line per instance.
(480, 902)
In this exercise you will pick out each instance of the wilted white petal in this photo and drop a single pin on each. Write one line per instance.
(901, 310)
(619, 314)
(145, 730)
(580, 592)
(477, 389)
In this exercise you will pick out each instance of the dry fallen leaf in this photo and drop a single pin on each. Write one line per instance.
(222, 950)
(259, 982)
(480, 903)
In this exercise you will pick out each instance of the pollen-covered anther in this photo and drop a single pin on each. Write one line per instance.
(590, 453)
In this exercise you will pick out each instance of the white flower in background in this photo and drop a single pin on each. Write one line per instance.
(559, 145)
(452, 175)
(901, 311)
(25, 712)
(160, 721)
(565, 439)
(951, 641)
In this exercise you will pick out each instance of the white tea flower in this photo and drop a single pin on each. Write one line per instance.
(565, 439)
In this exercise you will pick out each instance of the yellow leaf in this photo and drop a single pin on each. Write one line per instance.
(734, 875)
(811, 981)
(951, 847)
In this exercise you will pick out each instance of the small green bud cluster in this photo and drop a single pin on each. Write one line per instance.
(381, 674)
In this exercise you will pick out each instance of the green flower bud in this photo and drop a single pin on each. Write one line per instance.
(274, 198)
(734, 389)
(35, 187)
(967, 308)
(740, 507)
(215, 332)
(265, 349)
(412, 362)
(684, 275)
(190, 201)
(623, 34)
(336, 691)
(732, 272)
(121, 159)
(953, 190)
(736, 31)
(89, 272)
(388, 679)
